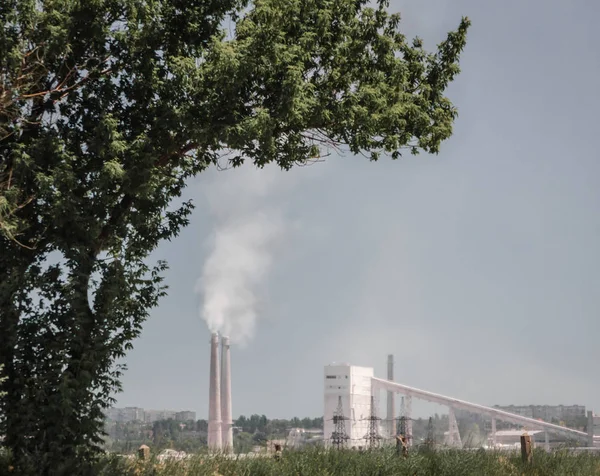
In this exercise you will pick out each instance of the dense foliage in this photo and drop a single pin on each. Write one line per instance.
(376, 463)
(107, 107)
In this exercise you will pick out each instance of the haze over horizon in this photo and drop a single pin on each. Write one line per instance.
(477, 268)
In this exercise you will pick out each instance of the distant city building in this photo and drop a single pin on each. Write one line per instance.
(125, 414)
(546, 412)
(185, 416)
(129, 414)
(523, 410)
(156, 415)
(133, 414)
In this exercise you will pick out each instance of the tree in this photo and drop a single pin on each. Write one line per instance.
(107, 107)
(202, 425)
(259, 437)
(2, 379)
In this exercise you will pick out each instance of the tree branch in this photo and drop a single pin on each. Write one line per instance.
(127, 200)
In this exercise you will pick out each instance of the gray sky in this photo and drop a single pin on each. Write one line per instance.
(479, 268)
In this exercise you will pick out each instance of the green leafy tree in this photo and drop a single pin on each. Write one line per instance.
(107, 107)
(259, 437)
(201, 425)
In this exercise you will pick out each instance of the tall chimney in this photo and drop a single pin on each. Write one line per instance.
(214, 402)
(227, 428)
(391, 398)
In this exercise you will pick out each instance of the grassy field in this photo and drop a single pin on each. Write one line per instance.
(380, 462)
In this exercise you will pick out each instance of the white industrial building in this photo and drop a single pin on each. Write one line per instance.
(353, 385)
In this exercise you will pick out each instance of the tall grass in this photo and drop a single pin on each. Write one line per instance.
(379, 462)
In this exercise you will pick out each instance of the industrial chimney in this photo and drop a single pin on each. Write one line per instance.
(214, 399)
(227, 428)
(391, 398)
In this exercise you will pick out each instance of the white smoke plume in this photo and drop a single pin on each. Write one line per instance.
(248, 229)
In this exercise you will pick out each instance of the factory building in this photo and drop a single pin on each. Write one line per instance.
(349, 386)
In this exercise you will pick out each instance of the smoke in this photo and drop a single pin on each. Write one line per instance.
(248, 229)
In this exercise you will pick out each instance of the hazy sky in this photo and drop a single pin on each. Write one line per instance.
(478, 269)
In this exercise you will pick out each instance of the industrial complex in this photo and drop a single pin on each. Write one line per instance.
(351, 418)
(353, 396)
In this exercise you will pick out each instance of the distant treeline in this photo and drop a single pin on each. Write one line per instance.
(262, 424)
(191, 435)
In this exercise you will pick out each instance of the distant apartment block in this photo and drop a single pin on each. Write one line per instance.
(185, 416)
(523, 410)
(546, 412)
(128, 414)
(156, 415)
(125, 414)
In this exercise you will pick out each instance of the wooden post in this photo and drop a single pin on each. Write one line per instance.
(144, 453)
(526, 449)
(277, 452)
(401, 446)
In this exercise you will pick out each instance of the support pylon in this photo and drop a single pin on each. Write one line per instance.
(372, 436)
(339, 437)
(453, 433)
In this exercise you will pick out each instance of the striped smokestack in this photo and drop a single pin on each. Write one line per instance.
(227, 428)
(214, 398)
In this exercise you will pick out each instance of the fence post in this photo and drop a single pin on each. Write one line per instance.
(401, 446)
(526, 449)
(144, 453)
